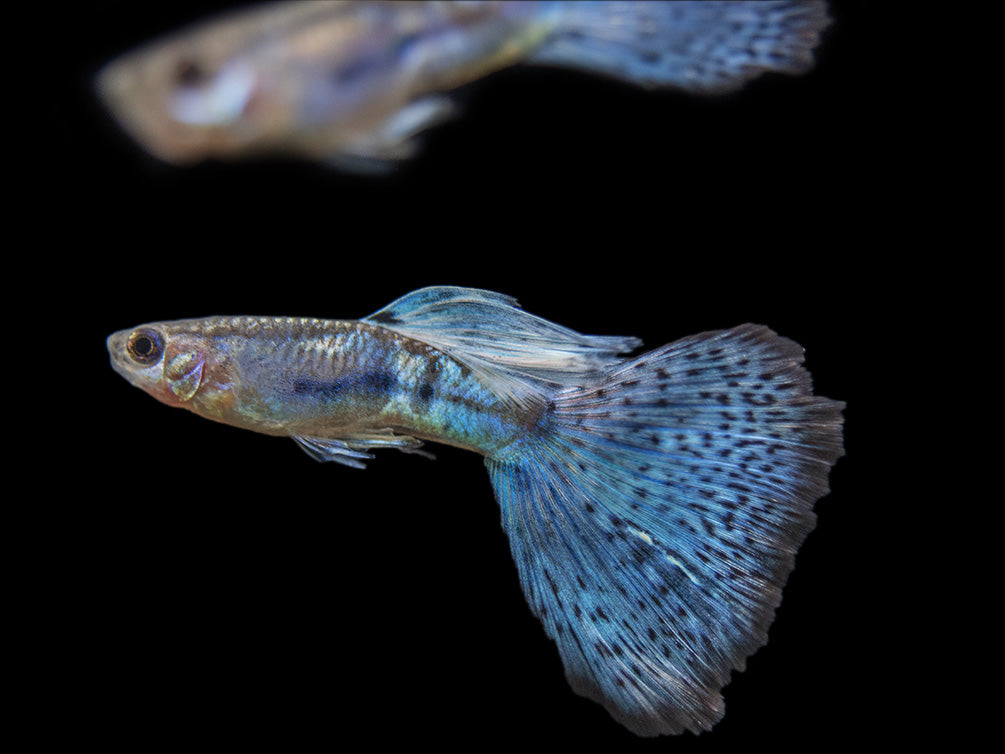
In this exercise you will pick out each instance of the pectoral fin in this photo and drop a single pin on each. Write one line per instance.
(395, 139)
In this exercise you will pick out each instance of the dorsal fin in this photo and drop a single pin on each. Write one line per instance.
(518, 355)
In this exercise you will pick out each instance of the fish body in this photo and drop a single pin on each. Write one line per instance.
(354, 81)
(653, 504)
(352, 382)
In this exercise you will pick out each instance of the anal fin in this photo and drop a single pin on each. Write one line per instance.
(352, 450)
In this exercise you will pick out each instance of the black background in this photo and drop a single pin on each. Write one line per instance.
(204, 583)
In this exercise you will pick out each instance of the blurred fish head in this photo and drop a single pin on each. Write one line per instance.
(195, 96)
(172, 363)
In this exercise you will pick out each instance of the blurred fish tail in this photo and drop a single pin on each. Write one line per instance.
(699, 46)
(655, 516)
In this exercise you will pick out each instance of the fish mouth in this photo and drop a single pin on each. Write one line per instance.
(116, 345)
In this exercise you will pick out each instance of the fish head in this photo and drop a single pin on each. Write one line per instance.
(164, 360)
(212, 91)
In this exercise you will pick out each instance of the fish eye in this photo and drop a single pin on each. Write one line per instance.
(188, 72)
(144, 346)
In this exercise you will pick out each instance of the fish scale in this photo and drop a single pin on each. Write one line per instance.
(653, 505)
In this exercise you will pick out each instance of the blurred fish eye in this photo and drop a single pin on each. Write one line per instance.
(188, 72)
(144, 346)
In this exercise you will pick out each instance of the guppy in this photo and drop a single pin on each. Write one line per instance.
(653, 504)
(353, 82)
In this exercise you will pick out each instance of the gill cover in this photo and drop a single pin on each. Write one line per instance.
(183, 368)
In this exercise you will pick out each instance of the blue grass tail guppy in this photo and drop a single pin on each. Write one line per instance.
(654, 504)
(353, 82)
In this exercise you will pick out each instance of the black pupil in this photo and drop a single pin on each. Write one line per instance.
(188, 73)
(143, 346)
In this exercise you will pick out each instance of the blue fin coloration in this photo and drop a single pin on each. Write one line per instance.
(655, 515)
(520, 356)
(706, 47)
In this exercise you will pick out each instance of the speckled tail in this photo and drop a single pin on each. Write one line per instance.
(655, 519)
(698, 46)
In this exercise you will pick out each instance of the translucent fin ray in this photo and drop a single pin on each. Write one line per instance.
(520, 356)
(655, 520)
(352, 450)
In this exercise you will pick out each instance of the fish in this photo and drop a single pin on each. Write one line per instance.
(353, 83)
(653, 503)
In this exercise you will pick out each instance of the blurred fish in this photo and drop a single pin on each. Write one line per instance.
(353, 82)
(653, 504)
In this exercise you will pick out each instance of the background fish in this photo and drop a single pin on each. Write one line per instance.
(653, 504)
(353, 82)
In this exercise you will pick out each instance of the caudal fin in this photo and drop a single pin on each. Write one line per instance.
(655, 518)
(700, 46)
